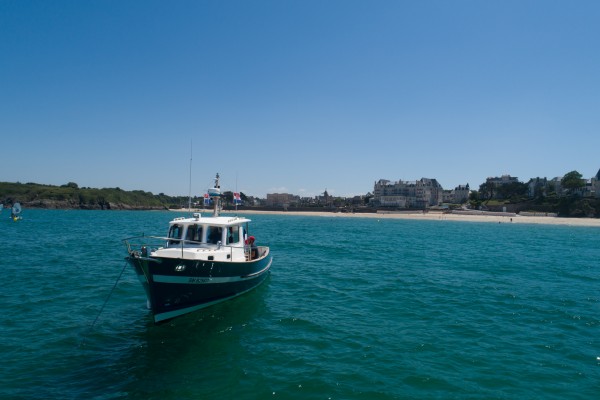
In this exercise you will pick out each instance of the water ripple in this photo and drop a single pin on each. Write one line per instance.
(354, 309)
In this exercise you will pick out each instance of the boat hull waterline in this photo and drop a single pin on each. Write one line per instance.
(178, 286)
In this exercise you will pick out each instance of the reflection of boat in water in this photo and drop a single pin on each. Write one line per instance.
(203, 260)
(15, 214)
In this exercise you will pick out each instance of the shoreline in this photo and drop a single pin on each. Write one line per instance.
(430, 216)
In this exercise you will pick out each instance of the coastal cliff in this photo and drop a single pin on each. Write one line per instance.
(71, 196)
(68, 205)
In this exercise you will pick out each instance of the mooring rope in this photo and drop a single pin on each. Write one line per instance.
(103, 305)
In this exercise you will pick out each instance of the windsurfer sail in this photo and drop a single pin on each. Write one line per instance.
(15, 215)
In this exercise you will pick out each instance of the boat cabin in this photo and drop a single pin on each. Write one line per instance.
(209, 238)
(197, 231)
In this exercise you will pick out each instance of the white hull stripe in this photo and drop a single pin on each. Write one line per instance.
(187, 280)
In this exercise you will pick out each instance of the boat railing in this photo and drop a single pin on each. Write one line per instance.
(141, 244)
(144, 245)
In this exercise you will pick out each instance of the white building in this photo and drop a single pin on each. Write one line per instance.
(461, 194)
(423, 193)
(282, 199)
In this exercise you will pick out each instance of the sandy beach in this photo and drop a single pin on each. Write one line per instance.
(436, 216)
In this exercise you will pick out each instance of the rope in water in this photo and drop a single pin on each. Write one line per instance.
(103, 305)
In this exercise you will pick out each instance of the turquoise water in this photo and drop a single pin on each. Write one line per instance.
(354, 309)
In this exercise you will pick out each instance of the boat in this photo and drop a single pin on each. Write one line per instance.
(203, 260)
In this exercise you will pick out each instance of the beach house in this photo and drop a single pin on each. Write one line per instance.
(422, 193)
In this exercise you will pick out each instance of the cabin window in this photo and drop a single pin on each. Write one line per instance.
(233, 235)
(175, 232)
(214, 234)
(194, 233)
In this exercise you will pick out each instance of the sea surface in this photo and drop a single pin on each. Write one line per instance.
(354, 308)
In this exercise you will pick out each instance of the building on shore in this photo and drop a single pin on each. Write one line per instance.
(594, 185)
(282, 200)
(423, 193)
(537, 187)
(458, 195)
(503, 187)
(542, 187)
(501, 181)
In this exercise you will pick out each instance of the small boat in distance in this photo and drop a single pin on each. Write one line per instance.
(202, 261)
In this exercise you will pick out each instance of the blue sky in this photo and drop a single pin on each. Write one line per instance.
(297, 96)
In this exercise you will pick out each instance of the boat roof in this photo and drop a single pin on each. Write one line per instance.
(223, 221)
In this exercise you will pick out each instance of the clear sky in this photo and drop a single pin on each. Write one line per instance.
(297, 96)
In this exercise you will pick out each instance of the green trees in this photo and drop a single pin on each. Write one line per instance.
(486, 191)
(513, 190)
(563, 196)
(572, 180)
(474, 200)
(72, 196)
(227, 198)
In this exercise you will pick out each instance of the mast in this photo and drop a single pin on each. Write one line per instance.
(190, 188)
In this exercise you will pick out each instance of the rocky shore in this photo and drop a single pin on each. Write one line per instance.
(71, 205)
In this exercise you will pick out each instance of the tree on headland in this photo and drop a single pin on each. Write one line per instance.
(486, 191)
(474, 200)
(71, 195)
(513, 190)
(572, 180)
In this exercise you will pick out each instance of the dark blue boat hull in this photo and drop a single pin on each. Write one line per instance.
(175, 286)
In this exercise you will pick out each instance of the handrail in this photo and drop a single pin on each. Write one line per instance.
(135, 247)
(181, 243)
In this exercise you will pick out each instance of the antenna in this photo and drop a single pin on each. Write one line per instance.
(215, 194)
(190, 189)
